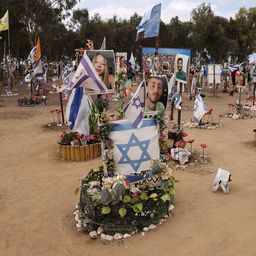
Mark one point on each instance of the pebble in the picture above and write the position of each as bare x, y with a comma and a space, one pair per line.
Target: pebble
93, 234
118, 236
171, 207
78, 225
145, 229
152, 226
106, 237
126, 235
77, 217
143, 233
99, 230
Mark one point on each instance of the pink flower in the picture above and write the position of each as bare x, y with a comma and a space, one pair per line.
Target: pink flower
203, 145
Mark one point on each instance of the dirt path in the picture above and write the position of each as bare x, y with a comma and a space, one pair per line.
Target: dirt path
37, 192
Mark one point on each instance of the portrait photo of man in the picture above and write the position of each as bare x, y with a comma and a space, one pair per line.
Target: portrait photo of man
157, 92
181, 65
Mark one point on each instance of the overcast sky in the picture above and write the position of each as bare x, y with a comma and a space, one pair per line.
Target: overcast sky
170, 8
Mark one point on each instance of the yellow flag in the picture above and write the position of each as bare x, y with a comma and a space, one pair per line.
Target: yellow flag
4, 24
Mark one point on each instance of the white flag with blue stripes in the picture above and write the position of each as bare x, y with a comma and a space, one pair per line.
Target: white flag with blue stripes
134, 148
87, 77
199, 108
78, 111
134, 110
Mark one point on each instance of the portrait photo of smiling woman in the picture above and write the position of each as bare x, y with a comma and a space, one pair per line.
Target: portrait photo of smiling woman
104, 63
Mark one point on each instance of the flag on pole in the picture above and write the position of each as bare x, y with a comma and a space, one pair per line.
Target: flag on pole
134, 148
4, 22
35, 58
199, 108
78, 110
38, 67
134, 110
87, 77
103, 46
150, 23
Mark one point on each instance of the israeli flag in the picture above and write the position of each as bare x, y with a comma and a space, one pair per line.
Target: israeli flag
150, 23
177, 100
87, 77
26, 79
134, 148
199, 108
78, 111
134, 110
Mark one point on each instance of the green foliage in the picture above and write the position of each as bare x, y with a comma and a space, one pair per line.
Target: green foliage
166, 197
126, 199
122, 212
137, 208
93, 119
105, 210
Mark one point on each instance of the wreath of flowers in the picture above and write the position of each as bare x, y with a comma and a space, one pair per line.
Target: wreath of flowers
111, 207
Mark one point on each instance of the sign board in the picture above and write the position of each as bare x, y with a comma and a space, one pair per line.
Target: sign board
214, 73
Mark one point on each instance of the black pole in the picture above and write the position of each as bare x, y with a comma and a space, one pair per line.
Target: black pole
214, 86
172, 110
31, 85
254, 88
179, 111
61, 107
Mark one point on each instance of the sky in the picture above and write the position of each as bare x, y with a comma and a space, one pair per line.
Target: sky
170, 8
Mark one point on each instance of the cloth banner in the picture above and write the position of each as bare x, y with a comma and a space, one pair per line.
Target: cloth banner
134, 148
150, 23
134, 110
78, 111
87, 77
4, 24
199, 108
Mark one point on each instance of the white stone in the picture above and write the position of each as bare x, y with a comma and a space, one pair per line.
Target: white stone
126, 235
77, 206
93, 234
76, 212
78, 225
143, 233
99, 230
145, 229
118, 236
106, 237
152, 226
171, 207
77, 217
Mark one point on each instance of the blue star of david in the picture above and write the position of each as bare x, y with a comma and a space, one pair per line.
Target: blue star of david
137, 103
134, 142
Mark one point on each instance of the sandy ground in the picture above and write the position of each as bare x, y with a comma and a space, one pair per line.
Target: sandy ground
37, 196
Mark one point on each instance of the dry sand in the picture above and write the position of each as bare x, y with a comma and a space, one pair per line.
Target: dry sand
37, 196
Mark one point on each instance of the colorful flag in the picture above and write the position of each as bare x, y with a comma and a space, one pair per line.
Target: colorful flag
35, 58
103, 46
38, 67
87, 77
134, 148
134, 110
78, 110
4, 22
150, 23
199, 108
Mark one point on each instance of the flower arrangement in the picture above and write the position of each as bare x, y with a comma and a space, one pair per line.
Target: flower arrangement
32, 101
111, 205
75, 138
